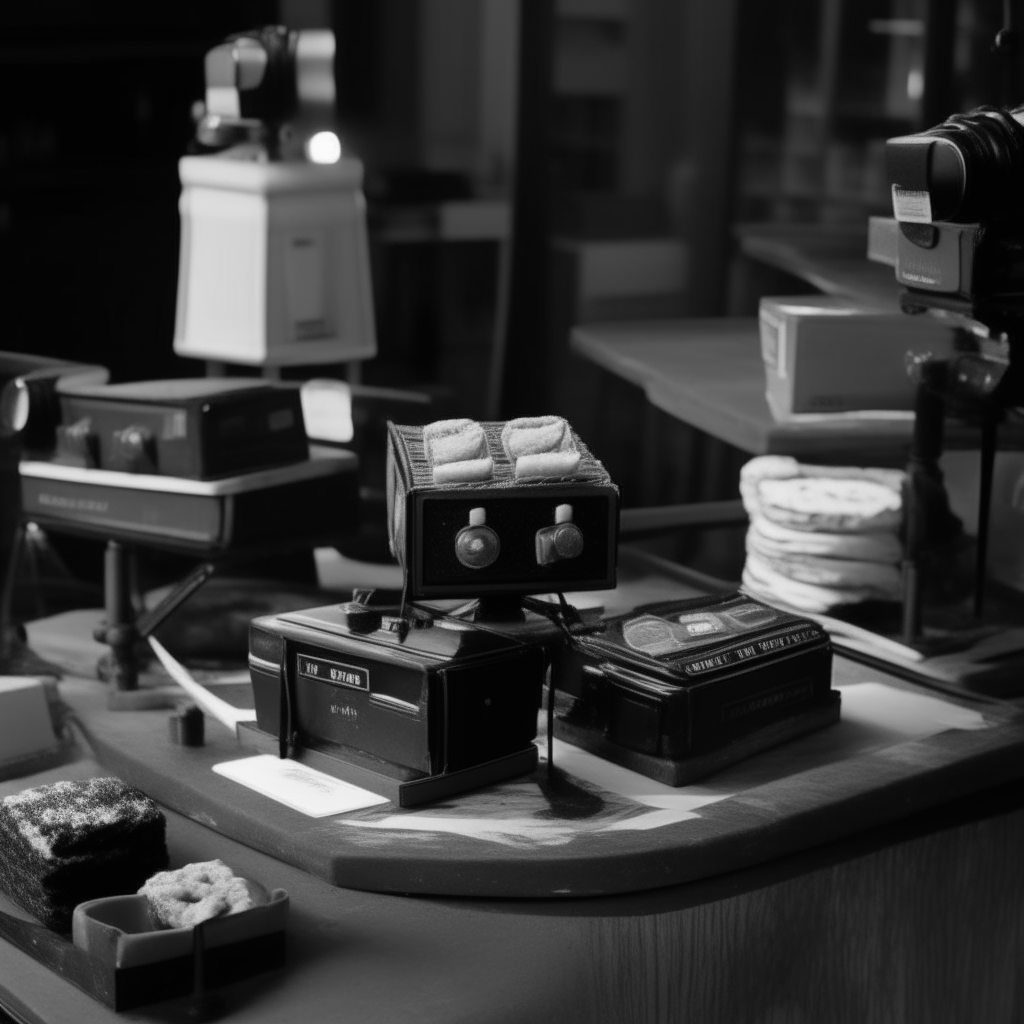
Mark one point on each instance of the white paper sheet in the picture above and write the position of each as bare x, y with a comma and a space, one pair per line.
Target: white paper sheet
874, 716
902, 715
297, 786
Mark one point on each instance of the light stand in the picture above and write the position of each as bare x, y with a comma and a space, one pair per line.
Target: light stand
980, 386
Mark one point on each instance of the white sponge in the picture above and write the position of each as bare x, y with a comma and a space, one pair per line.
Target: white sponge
457, 450
540, 446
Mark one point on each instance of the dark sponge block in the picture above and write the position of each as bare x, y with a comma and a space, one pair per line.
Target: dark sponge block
73, 841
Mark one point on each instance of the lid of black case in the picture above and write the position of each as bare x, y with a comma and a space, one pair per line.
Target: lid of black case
182, 391
676, 634
446, 639
407, 445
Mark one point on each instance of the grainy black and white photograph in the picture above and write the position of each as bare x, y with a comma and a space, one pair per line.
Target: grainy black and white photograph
512, 511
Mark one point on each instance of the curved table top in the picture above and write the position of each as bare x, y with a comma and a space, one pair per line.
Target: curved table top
592, 828
709, 949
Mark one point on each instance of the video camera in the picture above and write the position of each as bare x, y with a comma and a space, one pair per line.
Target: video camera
956, 241
959, 211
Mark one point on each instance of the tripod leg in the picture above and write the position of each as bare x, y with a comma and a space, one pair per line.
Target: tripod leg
988, 456
7, 644
120, 666
923, 487
911, 571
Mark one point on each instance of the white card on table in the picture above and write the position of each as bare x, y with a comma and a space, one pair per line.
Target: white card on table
302, 788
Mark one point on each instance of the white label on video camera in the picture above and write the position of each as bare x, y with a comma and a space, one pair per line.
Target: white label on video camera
335, 672
910, 206
771, 329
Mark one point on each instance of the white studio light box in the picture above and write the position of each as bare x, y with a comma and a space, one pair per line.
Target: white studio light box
274, 267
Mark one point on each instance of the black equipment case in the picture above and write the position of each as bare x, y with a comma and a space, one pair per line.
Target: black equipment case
679, 689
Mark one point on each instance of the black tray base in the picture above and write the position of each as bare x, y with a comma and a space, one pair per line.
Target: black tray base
690, 769
129, 987
405, 792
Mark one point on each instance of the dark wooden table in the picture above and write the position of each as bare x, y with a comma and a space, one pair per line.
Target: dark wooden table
919, 920
829, 257
709, 374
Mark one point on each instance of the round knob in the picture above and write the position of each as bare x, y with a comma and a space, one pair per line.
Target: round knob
568, 540
133, 449
360, 618
477, 545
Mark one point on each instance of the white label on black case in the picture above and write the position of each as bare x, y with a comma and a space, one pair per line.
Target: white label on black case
334, 672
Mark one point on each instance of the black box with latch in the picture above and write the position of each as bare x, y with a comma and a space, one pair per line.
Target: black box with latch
679, 689
508, 534
194, 428
416, 708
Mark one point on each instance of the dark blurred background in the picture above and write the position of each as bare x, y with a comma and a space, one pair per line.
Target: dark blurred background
637, 120
530, 164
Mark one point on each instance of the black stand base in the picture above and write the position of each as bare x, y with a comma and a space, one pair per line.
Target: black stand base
126, 988
18, 659
148, 698
401, 786
690, 769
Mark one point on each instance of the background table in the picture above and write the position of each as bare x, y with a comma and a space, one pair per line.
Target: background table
709, 374
831, 258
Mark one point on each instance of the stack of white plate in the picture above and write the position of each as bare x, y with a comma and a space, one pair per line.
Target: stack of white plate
821, 536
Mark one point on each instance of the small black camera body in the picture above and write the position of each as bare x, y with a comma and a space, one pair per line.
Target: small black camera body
199, 465
415, 707
199, 429
524, 509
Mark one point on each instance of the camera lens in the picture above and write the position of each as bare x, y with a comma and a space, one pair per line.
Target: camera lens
966, 169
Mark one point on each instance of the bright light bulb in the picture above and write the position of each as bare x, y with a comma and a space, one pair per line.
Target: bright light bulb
324, 148
915, 84
22, 405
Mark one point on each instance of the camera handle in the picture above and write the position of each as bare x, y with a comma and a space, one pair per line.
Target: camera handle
1006, 47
